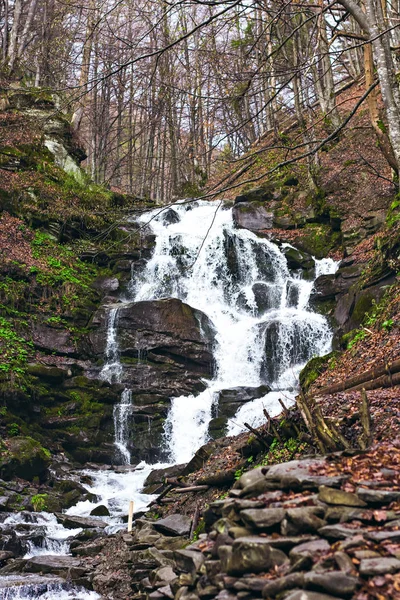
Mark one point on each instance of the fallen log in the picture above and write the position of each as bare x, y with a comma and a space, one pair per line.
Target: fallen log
381, 382
193, 488
356, 382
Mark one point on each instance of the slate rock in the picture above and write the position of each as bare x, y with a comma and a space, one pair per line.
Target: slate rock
72, 522
297, 475
306, 595
262, 518
334, 582
306, 519
188, 561
334, 496
287, 582
310, 549
57, 564
381, 536
175, 524
379, 566
339, 532
377, 496
249, 555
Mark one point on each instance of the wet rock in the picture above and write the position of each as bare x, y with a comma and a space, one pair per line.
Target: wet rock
90, 549
175, 524
159, 475
56, 565
296, 259
262, 518
249, 555
100, 511
170, 216
230, 400
335, 583
71, 522
253, 216
334, 496
379, 566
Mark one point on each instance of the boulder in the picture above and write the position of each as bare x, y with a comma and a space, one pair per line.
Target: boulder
296, 259
262, 519
175, 524
56, 565
170, 216
72, 522
249, 555
298, 474
100, 511
259, 194
252, 215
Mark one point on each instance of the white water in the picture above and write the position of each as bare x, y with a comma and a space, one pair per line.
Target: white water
215, 271
22, 587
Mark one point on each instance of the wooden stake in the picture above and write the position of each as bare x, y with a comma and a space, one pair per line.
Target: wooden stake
365, 415
130, 516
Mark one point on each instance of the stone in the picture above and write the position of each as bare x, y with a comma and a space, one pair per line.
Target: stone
310, 549
253, 216
175, 524
344, 562
170, 216
5, 555
381, 536
297, 475
159, 475
3, 502
188, 561
249, 555
306, 595
277, 586
339, 531
24, 458
252, 483
163, 574
166, 591
370, 567
305, 519
262, 518
296, 259
71, 522
334, 496
57, 565
259, 194
377, 496
334, 582
100, 511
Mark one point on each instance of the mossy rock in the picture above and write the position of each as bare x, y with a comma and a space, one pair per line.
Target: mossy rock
25, 458
314, 368
318, 239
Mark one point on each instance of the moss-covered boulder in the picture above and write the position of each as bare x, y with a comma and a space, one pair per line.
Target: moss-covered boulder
23, 457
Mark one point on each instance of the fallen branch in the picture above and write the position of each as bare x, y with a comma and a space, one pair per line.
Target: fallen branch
257, 434
193, 488
357, 380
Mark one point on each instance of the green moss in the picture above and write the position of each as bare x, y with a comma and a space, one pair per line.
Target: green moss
314, 368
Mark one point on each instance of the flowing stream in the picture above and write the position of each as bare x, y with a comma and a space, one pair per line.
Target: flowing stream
265, 333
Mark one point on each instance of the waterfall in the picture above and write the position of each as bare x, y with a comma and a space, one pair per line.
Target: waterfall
112, 372
265, 330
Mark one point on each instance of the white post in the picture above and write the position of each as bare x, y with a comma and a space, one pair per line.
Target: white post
130, 516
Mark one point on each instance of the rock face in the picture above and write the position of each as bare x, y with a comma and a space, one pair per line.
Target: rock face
25, 458
229, 402
252, 215
165, 348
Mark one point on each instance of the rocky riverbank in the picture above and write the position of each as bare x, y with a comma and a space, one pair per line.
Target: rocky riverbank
317, 529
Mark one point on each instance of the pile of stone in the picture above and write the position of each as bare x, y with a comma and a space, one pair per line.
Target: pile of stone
283, 532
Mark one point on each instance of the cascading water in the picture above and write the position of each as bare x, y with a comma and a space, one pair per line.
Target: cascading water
265, 331
112, 372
